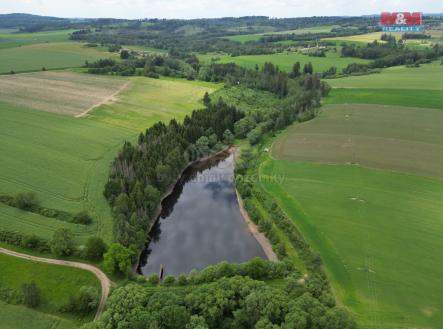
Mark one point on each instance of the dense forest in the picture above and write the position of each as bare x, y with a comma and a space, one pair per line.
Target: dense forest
231, 303
142, 173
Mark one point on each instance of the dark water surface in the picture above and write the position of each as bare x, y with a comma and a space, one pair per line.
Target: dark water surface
200, 223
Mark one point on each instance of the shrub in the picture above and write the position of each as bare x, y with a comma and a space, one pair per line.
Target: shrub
82, 218
153, 279
182, 280
168, 280
31, 294
25, 200
117, 259
61, 243
94, 249
31, 241
85, 302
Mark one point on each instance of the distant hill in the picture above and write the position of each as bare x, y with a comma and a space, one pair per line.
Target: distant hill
24, 20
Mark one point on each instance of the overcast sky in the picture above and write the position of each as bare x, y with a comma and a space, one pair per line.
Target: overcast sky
213, 8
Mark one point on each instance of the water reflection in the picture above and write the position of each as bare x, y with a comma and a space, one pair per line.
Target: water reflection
200, 223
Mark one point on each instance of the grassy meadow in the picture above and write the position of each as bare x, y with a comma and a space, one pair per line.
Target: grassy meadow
56, 285
65, 160
285, 61
55, 55
20, 317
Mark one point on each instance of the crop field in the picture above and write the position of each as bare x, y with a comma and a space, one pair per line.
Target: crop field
415, 87
255, 37
60, 92
65, 160
150, 100
56, 283
370, 135
402, 97
425, 77
9, 39
380, 235
363, 182
50, 56
285, 61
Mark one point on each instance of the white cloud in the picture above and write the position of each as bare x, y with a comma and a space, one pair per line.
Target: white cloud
213, 8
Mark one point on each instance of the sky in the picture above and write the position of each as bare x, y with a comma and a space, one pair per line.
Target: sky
213, 8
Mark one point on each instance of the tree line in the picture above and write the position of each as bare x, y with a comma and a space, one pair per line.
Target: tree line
390, 53
229, 303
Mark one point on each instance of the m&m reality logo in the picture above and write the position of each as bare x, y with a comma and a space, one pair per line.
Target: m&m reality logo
401, 22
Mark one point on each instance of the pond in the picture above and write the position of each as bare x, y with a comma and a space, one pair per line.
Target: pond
200, 223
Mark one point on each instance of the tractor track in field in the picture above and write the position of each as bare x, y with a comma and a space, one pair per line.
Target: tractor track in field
108, 99
102, 277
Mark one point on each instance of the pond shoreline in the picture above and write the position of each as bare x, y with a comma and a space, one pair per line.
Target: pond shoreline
252, 228
168, 192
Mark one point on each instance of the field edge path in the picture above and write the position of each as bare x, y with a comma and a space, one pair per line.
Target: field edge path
104, 280
108, 99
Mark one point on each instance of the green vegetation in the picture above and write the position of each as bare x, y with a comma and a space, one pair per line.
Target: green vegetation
231, 302
147, 101
401, 97
371, 226
369, 135
21, 317
285, 61
436, 37
65, 160
379, 235
425, 77
258, 36
11, 40
48, 55
412, 87
55, 285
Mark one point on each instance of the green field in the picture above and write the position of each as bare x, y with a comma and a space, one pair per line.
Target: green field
8, 39
285, 61
369, 135
413, 87
425, 77
56, 285
363, 182
380, 235
255, 37
149, 100
65, 160
402, 97
49, 55
20, 317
